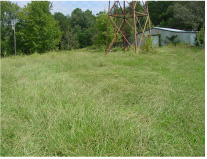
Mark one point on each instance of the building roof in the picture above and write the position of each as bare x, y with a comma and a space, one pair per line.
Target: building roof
171, 30
174, 30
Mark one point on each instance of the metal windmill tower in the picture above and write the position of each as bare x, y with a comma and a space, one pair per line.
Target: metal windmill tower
119, 17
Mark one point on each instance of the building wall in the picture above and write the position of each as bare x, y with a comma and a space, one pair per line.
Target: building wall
184, 37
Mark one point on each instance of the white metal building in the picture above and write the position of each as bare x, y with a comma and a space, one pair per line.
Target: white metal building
160, 35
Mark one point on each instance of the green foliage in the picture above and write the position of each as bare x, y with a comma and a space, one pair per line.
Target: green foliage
170, 21
77, 18
9, 15
37, 28
158, 11
83, 24
101, 30
68, 40
63, 21
147, 45
191, 13
180, 15
173, 40
200, 37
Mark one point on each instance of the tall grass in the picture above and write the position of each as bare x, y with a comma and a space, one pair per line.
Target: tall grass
83, 103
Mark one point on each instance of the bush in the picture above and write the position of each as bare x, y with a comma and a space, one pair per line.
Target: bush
147, 45
200, 38
173, 40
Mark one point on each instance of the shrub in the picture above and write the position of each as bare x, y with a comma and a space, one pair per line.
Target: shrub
200, 38
147, 45
173, 40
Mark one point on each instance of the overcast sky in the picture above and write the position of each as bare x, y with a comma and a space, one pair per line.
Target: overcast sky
66, 7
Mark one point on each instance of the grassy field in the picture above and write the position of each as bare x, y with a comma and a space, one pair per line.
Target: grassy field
83, 103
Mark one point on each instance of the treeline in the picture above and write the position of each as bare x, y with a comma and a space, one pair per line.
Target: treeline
34, 29
186, 15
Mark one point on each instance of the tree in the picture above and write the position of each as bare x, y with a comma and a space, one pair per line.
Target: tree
9, 13
83, 25
157, 11
101, 29
37, 29
170, 21
63, 21
192, 13
68, 40
71, 39
77, 18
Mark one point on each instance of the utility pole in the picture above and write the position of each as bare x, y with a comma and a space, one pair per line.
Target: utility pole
14, 41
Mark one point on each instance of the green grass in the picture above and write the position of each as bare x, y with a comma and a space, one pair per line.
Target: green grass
83, 103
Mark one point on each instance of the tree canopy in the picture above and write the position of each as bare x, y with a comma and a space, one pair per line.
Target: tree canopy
9, 16
38, 29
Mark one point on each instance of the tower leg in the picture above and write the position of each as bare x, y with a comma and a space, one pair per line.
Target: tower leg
124, 26
150, 34
107, 33
135, 28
